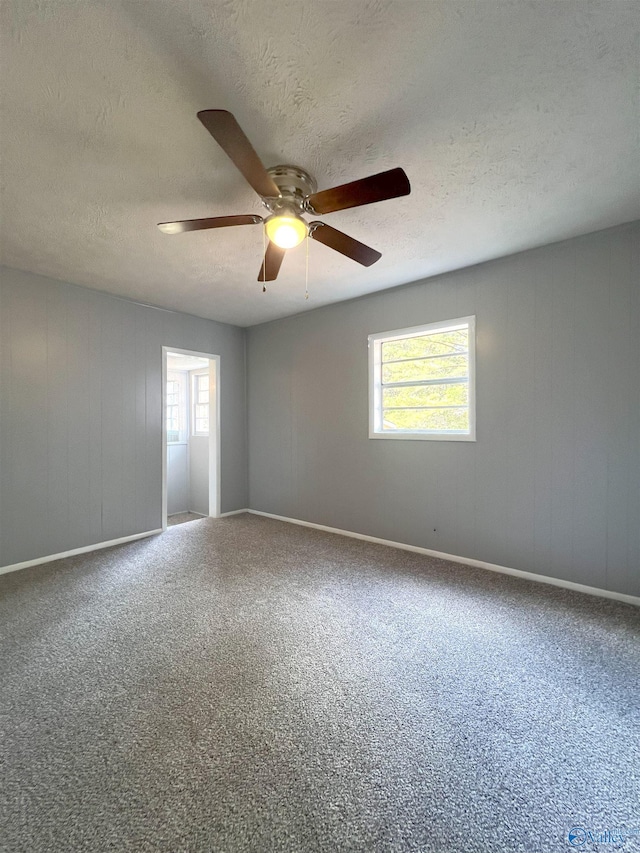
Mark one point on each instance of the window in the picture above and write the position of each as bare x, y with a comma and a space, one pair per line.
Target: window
200, 396
422, 382
176, 407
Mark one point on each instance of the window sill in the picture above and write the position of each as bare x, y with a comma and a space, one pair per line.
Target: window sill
423, 436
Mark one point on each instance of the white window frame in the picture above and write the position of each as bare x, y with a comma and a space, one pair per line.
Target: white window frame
375, 382
194, 403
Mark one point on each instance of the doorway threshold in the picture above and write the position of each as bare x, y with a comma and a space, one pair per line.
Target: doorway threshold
183, 518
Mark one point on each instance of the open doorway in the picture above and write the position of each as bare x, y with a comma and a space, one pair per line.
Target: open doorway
191, 436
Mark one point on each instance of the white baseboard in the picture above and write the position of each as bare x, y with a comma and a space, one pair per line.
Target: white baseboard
84, 550
479, 564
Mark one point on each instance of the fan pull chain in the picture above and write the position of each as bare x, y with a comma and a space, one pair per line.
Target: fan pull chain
264, 262
306, 272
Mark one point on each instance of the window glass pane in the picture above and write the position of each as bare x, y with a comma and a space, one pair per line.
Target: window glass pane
430, 368
202, 424
430, 419
442, 343
426, 395
202, 412
203, 396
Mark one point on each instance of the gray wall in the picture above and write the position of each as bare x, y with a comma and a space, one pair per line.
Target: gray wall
199, 474
80, 414
177, 478
552, 484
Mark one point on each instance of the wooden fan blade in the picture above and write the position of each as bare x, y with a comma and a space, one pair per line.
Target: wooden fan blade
213, 222
271, 264
230, 137
391, 184
344, 244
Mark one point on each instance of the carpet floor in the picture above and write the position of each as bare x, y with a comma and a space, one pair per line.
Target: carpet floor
247, 685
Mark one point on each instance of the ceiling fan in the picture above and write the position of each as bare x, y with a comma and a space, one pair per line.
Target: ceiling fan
288, 192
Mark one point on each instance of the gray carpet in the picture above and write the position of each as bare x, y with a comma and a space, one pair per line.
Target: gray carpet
248, 685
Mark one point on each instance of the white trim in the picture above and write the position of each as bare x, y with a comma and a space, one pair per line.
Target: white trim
214, 433
453, 558
480, 564
84, 550
187, 512
215, 367
375, 342
164, 443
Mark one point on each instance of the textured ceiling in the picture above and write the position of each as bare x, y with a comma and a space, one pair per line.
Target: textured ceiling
516, 123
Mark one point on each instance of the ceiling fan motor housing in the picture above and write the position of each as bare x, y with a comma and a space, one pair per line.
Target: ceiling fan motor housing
295, 184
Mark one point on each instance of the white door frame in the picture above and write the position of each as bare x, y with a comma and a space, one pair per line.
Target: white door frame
214, 430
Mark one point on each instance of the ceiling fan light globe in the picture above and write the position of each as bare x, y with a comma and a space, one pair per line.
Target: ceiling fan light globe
286, 231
